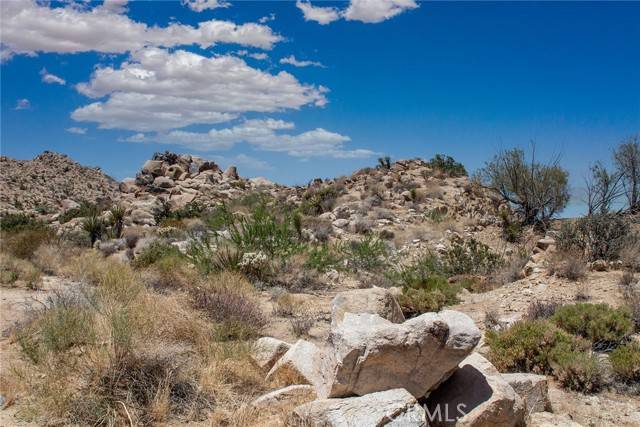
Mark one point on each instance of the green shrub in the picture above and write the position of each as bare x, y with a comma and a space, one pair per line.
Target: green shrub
316, 201
447, 165
579, 371
263, 232
23, 244
511, 229
600, 236
471, 257
369, 254
625, 362
86, 209
530, 346
56, 329
600, 324
323, 258
436, 215
95, 227
154, 252
12, 223
425, 294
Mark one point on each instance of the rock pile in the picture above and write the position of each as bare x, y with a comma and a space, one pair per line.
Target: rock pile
374, 372
42, 185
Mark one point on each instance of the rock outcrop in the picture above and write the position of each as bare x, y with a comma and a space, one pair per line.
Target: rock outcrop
478, 395
374, 301
370, 354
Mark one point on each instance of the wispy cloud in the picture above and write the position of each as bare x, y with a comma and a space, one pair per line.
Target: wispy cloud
22, 104
76, 130
291, 60
202, 5
51, 78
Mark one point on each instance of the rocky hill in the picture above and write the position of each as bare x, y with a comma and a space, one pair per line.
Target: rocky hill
43, 184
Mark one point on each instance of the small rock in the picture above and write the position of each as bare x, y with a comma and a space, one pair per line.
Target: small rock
395, 407
267, 351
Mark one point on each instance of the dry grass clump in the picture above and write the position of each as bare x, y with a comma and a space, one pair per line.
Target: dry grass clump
630, 289
112, 352
569, 265
16, 272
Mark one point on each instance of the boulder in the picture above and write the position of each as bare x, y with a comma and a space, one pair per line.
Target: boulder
599, 265
152, 167
369, 353
174, 172
385, 408
231, 173
545, 243
261, 182
267, 351
374, 301
181, 200
163, 182
547, 419
299, 394
68, 204
533, 389
341, 223
142, 217
476, 395
143, 179
303, 363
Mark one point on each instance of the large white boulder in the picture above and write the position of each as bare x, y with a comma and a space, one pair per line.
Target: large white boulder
303, 363
374, 301
370, 354
397, 408
476, 395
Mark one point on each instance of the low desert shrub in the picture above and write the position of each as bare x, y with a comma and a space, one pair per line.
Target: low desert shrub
432, 294
602, 325
18, 272
625, 362
86, 209
579, 371
13, 223
542, 309
471, 257
569, 265
323, 258
316, 201
24, 243
369, 253
600, 236
630, 253
630, 289
511, 228
530, 346
511, 270
447, 165
154, 252
302, 324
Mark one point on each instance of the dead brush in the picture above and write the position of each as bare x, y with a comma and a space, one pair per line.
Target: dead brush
302, 323
630, 289
568, 265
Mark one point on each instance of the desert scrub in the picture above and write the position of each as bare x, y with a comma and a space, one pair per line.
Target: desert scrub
369, 253
424, 294
18, 272
316, 201
23, 242
530, 346
471, 257
569, 265
625, 362
447, 165
602, 325
579, 371
154, 252
600, 236
323, 258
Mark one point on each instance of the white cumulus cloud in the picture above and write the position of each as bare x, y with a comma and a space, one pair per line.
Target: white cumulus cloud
76, 130
29, 27
201, 5
367, 11
161, 90
263, 134
321, 15
291, 60
51, 78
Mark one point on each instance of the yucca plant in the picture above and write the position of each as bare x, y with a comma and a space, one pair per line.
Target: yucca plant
117, 220
94, 226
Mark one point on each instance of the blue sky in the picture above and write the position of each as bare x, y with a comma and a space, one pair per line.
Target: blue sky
398, 78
